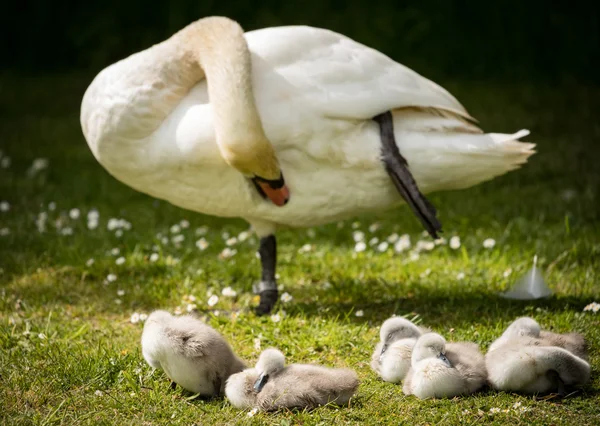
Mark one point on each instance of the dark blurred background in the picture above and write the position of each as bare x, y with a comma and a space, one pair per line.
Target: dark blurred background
511, 40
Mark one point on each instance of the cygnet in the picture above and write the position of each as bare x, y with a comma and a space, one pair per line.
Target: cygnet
441, 369
190, 352
271, 385
391, 359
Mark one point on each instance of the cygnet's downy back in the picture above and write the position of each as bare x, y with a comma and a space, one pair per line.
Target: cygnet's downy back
190, 352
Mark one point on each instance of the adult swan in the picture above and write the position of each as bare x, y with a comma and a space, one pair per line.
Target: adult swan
213, 119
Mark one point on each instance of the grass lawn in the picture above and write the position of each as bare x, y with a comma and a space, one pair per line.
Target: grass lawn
70, 354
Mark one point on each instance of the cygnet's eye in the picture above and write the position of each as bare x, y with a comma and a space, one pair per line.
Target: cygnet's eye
389, 336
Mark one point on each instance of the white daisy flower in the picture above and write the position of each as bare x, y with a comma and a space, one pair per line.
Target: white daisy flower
494, 410
424, 245
311, 233
228, 292
120, 260
184, 224
507, 273
119, 233
360, 246
67, 230
305, 248
227, 253
243, 236
383, 246
286, 297
92, 224
231, 241
213, 300
38, 165
252, 412
120, 292
402, 244
4, 206
593, 307
4, 232
154, 257
440, 241
115, 251
489, 243
74, 213
51, 206
358, 236
359, 313
135, 318
275, 318
98, 393
460, 276
143, 317
111, 278
190, 307
455, 242
256, 343
355, 225
89, 262
202, 244
175, 229
5, 162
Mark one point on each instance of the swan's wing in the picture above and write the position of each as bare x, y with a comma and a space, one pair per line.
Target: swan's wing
345, 79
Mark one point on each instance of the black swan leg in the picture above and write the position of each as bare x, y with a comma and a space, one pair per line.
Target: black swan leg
397, 167
267, 288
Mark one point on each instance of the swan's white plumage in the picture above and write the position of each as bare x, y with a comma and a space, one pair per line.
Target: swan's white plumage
316, 92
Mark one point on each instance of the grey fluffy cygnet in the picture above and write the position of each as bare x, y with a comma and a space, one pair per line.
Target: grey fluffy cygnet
528, 327
441, 369
271, 385
190, 352
391, 359
530, 360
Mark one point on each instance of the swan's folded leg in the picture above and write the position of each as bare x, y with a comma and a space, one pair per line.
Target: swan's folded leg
397, 167
267, 288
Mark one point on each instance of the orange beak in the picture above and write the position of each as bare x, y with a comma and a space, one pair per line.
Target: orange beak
279, 196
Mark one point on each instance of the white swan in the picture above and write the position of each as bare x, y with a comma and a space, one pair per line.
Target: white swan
212, 119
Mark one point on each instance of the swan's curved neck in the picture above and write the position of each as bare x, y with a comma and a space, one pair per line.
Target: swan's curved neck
215, 47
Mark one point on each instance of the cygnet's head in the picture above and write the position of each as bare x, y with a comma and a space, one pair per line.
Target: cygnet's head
396, 328
524, 326
159, 317
430, 345
270, 361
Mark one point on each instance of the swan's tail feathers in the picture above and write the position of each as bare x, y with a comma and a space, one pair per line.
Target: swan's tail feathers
397, 168
516, 153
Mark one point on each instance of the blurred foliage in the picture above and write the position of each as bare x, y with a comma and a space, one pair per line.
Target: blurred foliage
507, 39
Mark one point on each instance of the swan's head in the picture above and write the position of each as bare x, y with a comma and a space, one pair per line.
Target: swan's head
270, 361
254, 157
524, 326
396, 328
430, 345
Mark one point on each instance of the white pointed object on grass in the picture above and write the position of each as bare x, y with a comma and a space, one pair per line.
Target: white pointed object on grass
530, 286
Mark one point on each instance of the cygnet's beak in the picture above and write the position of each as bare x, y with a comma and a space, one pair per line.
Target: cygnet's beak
275, 190
260, 382
445, 359
383, 349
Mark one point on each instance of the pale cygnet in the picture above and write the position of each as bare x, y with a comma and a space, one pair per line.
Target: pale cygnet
441, 369
525, 366
271, 385
190, 352
391, 359
529, 328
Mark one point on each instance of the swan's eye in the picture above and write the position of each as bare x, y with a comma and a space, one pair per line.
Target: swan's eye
389, 336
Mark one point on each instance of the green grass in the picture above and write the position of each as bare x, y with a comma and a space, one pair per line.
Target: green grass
70, 355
